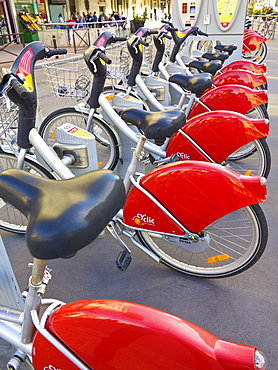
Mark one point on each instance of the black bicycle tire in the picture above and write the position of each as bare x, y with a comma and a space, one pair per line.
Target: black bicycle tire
258, 56
264, 149
258, 251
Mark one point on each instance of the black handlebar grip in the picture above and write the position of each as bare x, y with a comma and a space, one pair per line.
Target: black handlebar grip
153, 32
105, 58
167, 37
20, 90
145, 43
49, 52
169, 23
202, 33
116, 39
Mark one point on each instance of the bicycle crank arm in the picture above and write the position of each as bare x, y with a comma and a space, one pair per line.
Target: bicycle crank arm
139, 245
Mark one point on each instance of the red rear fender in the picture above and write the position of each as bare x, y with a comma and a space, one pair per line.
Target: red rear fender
240, 77
246, 65
218, 133
251, 40
233, 98
110, 334
195, 193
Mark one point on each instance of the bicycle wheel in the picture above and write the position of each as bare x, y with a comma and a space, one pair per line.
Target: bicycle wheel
10, 218
258, 112
205, 46
270, 30
249, 149
258, 55
106, 142
237, 241
254, 157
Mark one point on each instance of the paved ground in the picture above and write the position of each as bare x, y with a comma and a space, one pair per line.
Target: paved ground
242, 309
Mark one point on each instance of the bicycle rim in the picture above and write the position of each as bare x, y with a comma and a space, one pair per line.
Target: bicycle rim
237, 241
258, 55
12, 219
253, 158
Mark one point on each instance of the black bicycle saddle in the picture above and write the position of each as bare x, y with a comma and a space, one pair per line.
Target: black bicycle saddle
216, 56
63, 216
210, 67
197, 84
155, 125
228, 48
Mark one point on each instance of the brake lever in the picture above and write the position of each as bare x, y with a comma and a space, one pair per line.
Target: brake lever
93, 60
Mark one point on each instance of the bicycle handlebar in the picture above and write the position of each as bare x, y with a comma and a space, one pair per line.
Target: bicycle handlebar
167, 37
19, 89
117, 39
143, 42
50, 52
167, 22
104, 57
201, 33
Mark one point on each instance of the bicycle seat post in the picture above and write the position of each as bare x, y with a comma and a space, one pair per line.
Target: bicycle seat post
136, 157
182, 101
33, 299
38, 271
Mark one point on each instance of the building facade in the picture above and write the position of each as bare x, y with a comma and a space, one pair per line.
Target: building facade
16, 14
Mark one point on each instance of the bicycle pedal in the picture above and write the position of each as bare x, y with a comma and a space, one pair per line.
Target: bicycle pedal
123, 260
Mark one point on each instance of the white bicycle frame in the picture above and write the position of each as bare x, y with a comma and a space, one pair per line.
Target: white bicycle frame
46, 154
120, 126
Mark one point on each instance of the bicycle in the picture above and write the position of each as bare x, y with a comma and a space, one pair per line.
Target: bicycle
22, 146
168, 93
107, 333
267, 27
185, 143
157, 94
254, 48
205, 62
184, 225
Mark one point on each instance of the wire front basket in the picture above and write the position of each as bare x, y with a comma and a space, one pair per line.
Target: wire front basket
8, 122
68, 76
121, 61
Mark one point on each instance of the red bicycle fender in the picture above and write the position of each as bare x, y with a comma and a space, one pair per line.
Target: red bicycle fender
218, 133
246, 65
251, 40
240, 77
235, 98
195, 193
111, 334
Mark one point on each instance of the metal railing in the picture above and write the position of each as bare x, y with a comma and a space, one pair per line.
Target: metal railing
266, 24
78, 35
81, 25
